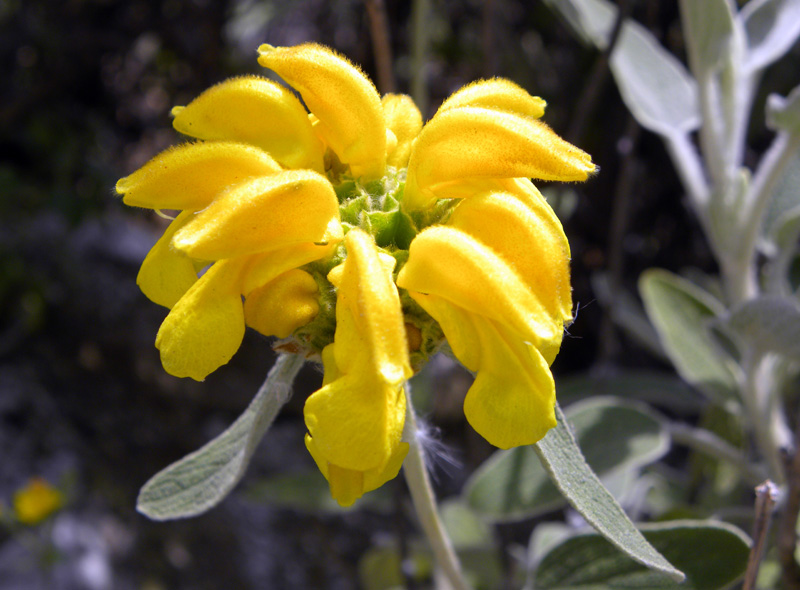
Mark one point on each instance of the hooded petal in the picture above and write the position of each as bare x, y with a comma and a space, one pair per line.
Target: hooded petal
511, 402
166, 274
498, 94
205, 328
474, 142
343, 99
450, 264
282, 305
255, 111
355, 421
404, 120
260, 215
191, 175
528, 236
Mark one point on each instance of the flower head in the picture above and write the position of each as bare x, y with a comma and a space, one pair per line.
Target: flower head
369, 239
35, 501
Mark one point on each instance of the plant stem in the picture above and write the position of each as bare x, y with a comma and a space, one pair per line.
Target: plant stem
425, 503
766, 497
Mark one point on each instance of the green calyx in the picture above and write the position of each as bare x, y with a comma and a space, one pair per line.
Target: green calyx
376, 208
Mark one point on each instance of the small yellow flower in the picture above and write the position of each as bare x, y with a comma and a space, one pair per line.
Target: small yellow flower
36, 501
368, 238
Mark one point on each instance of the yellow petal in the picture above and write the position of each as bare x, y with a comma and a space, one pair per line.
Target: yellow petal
348, 485
498, 94
528, 236
166, 274
191, 175
343, 99
256, 111
356, 420
205, 328
36, 501
264, 268
282, 305
448, 263
263, 214
404, 120
473, 142
512, 399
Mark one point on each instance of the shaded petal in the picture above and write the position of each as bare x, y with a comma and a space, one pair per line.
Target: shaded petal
528, 236
511, 402
343, 99
355, 420
282, 305
348, 485
498, 94
166, 274
473, 142
256, 111
205, 328
404, 120
449, 263
263, 268
191, 175
262, 214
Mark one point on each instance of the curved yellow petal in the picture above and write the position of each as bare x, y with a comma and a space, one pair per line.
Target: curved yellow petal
262, 214
355, 420
473, 142
450, 264
282, 305
529, 237
191, 175
264, 268
496, 93
404, 120
511, 402
348, 485
343, 99
166, 274
256, 111
206, 327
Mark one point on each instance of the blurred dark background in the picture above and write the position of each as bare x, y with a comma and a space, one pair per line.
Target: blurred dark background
86, 90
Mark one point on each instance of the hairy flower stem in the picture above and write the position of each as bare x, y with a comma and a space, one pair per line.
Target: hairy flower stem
425, 503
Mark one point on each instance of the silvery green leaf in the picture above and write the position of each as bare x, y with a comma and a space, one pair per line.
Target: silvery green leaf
784, 113
708, 27
513, 485
772, 27
564, 461
593, 20
202, 479
682, 312
784, 207
769, 324
712, 555
656, 87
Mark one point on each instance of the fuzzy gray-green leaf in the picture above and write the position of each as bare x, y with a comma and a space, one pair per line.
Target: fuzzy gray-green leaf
202, 479
711, 554
682, 313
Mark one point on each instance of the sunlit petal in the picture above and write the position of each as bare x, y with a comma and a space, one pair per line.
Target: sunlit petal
282, 305
404, 120
528, 236
343, 99
166, 274
205, 328
263, 214
473, 142
450, 264
498, 94
356, 420
192, 175
257, 111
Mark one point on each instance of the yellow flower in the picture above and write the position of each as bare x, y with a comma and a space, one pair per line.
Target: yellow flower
368, 239
36, 501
